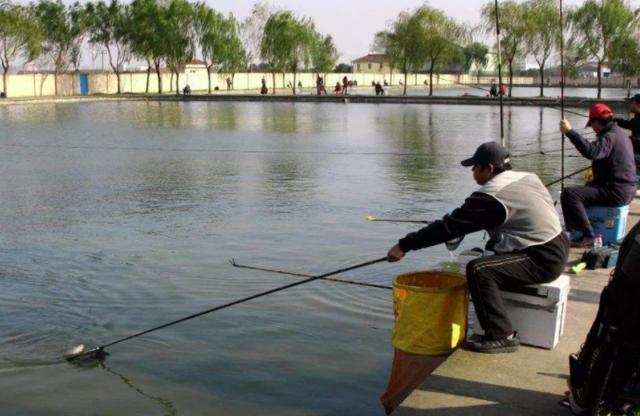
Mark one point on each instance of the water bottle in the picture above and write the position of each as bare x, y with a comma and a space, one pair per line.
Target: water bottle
597, 242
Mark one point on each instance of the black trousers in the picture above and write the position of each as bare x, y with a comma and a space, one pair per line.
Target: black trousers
575, 199
487, 275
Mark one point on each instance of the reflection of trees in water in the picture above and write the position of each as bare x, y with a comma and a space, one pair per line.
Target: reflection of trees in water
281, 118
222, 116
416, 145
288, 182
167, 405
39, 113
157, 114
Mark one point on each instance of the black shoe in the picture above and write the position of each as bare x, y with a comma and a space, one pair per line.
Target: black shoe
497, 346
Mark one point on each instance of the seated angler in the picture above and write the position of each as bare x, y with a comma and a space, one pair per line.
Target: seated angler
530, 247
633, 125
614, 174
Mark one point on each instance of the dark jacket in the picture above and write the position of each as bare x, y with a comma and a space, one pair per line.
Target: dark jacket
634, 126
612, 154
481, 212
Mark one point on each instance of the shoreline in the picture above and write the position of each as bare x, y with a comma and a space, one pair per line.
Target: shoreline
579, 102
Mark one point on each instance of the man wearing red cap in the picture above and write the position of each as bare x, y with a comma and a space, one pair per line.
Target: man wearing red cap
614, 173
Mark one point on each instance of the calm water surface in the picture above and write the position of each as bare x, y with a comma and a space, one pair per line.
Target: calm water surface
117, 217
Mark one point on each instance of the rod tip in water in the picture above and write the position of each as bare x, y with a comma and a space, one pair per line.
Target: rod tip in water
78, 355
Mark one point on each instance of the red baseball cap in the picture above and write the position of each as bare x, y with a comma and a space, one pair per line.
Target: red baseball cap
599, 110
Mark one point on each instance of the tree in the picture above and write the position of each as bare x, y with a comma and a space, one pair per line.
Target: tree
20, 36
209, 29
63, 29
625, 58
251, 31
343, 68
179, 40
110, 26
401, 45
272, 50
543, 33
475, 54
148, 40
598, 25
513, 31
439, 35
233, 56
299, 41
324, 54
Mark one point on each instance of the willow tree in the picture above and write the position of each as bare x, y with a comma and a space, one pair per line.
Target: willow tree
544, 33
233, 56
272, 52
324, 54
110, 26
208, 26
20, 37
475, 54
148, 40
63, 31
180, 38
513, 31
438, 37
401, 44
596, 26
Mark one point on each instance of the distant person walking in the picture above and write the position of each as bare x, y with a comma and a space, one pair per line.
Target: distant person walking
263, 89
345, 85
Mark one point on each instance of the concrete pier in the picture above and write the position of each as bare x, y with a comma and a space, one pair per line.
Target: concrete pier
528, 382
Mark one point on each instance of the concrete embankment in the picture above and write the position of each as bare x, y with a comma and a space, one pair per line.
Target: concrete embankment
580, 102
528, 382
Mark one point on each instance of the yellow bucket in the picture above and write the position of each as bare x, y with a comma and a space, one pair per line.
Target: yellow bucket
430, 311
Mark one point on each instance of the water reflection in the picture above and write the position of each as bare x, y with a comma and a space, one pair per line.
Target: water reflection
280, 118
288, 183
416, 145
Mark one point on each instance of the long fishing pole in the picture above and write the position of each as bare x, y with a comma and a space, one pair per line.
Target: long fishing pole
371, 218
567, 176
332, 279
100, 353
562, 92
500, 76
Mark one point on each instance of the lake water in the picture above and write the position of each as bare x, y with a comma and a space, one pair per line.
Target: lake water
117, 217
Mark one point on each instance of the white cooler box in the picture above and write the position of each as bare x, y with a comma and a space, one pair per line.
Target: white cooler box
537, 312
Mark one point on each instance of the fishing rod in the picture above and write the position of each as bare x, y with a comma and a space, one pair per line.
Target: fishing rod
562, 91
567, 176
371, 218
332, 279
99, 352
500, 76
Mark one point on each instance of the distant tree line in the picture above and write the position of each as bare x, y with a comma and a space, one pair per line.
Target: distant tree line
162, 33
171, 33
600, 31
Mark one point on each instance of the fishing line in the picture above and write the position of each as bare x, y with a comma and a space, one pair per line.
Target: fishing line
500, 76
562, 92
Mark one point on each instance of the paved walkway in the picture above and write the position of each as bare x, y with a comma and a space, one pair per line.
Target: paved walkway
528, 382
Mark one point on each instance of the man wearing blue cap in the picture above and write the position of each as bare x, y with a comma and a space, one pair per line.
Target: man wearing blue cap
530, 247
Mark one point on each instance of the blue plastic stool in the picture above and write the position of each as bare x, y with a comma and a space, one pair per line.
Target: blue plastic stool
611, 222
